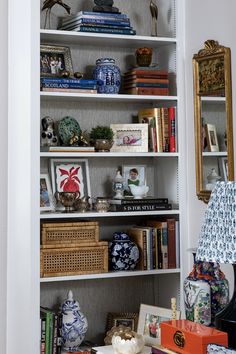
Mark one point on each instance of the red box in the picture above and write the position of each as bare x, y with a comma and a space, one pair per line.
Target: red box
186, 337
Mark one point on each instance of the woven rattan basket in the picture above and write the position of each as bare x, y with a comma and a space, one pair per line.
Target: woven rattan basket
87, 259
56, 235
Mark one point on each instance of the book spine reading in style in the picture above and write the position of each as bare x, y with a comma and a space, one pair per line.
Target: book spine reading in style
143, 207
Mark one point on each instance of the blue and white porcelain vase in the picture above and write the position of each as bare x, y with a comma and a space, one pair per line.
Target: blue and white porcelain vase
74, 324
123, 253
107, 75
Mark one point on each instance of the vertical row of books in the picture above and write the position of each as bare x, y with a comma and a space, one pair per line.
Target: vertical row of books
158, 243
162, 128
50, 331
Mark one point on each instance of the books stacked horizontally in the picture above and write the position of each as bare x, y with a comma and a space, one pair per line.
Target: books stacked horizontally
162, 136
146, 81
59, 84
69, 149
101, 22
145, 204
158, 244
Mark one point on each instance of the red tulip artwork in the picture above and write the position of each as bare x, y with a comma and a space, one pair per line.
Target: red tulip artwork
69, 178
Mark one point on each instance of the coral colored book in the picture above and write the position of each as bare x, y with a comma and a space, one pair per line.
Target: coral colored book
172, 128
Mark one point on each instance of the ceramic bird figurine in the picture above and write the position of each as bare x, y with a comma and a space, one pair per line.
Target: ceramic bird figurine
48, 4
154, 14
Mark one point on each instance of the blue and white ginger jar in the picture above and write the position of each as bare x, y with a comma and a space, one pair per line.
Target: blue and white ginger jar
107, 75
123, 253
74, 324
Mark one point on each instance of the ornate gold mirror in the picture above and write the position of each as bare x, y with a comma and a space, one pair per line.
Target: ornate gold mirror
213, 117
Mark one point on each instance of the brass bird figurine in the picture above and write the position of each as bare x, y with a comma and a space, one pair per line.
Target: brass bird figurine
154, 14
48, 4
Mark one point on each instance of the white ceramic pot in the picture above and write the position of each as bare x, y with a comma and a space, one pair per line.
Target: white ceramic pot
138, 191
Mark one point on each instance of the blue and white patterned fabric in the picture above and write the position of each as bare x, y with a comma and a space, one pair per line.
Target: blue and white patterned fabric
219, 349
217, 241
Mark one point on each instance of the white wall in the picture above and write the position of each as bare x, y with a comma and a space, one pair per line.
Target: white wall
208, 19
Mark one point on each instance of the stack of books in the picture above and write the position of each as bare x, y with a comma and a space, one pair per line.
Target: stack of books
60, 84
162, 126
145, 204
158, 243
146, 81
101, 22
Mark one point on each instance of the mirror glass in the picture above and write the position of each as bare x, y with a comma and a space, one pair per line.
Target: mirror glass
213, 117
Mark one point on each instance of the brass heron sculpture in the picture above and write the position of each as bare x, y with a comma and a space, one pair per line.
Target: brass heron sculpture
154, 14
48, 4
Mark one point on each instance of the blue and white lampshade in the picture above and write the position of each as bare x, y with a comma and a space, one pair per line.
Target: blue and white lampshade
217, 241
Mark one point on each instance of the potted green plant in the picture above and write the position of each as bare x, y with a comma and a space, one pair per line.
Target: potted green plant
102, 137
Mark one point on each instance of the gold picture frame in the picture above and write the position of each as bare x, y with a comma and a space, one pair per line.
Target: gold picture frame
212, 87
128, 319
54, 60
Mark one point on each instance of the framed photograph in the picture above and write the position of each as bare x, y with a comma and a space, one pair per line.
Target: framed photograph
54, 60
149, 321
70, 175
128, 319
130, 137
211, 135
133, 174
46, 196
223, 167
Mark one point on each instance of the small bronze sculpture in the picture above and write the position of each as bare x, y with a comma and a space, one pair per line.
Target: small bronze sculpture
104, 6
154, 14
48, 4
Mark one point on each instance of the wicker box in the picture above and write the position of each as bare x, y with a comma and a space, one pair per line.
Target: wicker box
54, 235
63, 261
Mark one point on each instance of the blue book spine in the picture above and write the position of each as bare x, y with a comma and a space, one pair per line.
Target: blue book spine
102, 14
116, 22
67, 81
67, 86
105, 30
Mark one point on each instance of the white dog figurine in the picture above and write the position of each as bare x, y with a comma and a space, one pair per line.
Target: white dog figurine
48, 134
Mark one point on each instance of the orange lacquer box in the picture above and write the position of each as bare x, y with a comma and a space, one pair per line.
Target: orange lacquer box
186, 337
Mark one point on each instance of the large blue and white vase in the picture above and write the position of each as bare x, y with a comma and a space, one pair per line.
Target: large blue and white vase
74, 324
123, 253
107, 75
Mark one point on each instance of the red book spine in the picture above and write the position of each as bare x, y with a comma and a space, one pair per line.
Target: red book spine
172, 122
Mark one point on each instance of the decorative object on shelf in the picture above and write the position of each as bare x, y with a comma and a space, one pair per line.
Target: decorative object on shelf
67, 199
154, 14
78, 75
48, 4
74, 324
55, 60
219, 349
70, 175
223, 165
173, 308
212, 178
217, 244
107, 75
113, 329
82, 204
130, 137
102, 138
48, 134
127, 342
133, 174
46, 196
138, 192
125, 319
105, 6
143, 56
206, 292
118, 186
211, 135
149, 321
123, 253
101, 205
69, 131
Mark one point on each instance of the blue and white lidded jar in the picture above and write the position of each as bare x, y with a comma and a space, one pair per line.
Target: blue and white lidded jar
123, 253
107, 75
74, 324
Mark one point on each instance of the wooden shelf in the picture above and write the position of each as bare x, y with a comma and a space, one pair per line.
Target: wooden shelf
110, 275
